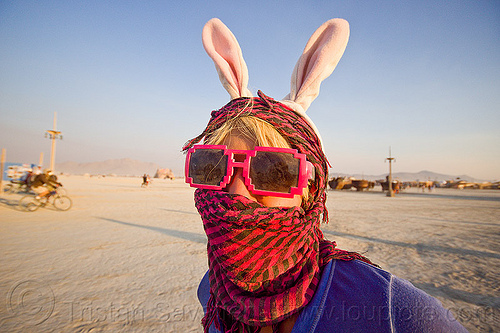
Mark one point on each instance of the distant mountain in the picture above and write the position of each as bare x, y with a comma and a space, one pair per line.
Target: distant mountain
119, 167
130, 167
411, 176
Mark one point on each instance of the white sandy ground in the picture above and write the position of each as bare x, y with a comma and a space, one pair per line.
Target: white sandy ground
129, 259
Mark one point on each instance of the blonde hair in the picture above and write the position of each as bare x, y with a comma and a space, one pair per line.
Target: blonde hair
251, 128
254, 129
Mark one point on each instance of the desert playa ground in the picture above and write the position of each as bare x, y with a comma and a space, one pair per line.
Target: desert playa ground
129, 259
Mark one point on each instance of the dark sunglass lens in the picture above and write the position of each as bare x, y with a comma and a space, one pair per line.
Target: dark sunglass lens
207, 166
276, 172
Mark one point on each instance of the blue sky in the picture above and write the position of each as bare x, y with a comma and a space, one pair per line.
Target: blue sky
131, 79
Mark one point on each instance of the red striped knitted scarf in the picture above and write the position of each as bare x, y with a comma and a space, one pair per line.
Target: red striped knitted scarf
265, 262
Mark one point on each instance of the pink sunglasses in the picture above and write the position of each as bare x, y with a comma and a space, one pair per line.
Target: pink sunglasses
281, 172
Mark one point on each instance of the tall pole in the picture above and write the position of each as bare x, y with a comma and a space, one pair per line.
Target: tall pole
391, 190
40, 161
53, 135
53, 145
2, 164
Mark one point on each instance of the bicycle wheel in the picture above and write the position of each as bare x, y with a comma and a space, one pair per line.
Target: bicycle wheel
32, 206
28, 203
8, 189
62, 202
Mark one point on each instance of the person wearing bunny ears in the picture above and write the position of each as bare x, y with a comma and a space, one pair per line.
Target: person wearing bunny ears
261, 178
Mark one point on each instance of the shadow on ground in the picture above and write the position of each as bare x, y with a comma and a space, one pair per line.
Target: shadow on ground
10, 203
417, 246
190, 236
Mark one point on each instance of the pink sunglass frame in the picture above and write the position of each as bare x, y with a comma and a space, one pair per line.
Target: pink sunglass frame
306, 169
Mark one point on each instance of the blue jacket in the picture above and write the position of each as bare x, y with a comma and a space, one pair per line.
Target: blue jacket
356, 297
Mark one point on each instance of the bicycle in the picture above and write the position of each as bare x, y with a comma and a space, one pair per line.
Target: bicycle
16, 186
30, 203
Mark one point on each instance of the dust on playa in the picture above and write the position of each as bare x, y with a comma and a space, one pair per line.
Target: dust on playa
129, 259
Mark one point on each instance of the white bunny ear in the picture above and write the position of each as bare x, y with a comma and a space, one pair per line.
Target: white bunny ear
223, 48
320, 57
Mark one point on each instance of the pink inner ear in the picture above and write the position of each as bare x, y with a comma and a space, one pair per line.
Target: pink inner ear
320, 57
221, 45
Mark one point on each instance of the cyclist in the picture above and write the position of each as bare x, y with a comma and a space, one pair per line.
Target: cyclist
44, 183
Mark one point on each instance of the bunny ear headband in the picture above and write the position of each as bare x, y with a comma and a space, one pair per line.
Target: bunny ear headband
318, 60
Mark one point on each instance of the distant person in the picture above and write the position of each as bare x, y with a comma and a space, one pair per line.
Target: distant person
35, 172
145, 180
44, 183
25, 178
52, 177
260, 178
